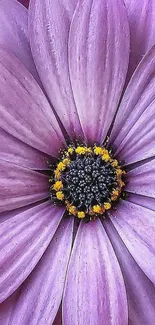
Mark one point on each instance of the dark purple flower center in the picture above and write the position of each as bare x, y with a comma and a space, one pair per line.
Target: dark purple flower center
87, 180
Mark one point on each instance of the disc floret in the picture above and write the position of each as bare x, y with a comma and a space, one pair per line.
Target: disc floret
87, 180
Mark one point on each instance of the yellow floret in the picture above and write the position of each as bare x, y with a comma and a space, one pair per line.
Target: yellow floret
107, 206
66, 161
98, 209
57, 173
61, 166
60, 195
119, 172
70, 150
115, 195
115, 192
121, 183
99, 151
106, 155
114, 163
81, 214
81, 150
72, 210
58, 186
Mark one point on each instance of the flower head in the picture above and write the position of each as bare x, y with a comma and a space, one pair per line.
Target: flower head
77, 170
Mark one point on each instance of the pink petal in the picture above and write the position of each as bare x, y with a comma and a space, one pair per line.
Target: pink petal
14, 32
94, 291
133, 131
140, 290
17, 152
24, 109
42, 292
24, 238
97, 66
142, 29
49, 31
20, 186
141, 180
135, 225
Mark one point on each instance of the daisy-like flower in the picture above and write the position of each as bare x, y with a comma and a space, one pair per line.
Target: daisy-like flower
77, 147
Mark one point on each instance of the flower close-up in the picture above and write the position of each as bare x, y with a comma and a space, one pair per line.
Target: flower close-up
77, 162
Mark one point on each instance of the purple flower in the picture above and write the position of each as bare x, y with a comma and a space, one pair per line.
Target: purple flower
71, 96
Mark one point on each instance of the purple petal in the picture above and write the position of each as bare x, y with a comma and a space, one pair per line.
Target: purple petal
97, 66
14, 32
133, 132
42, 292
94, 288
17, 152
142, 29
140, 290
135, 225
9, 214
24, 238
24, 109
6, 308
49, 31
141, 180
20, 186
144, 201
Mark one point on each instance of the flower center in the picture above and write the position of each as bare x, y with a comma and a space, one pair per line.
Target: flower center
87, 180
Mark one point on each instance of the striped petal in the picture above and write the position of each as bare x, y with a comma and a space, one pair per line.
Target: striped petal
94, 291
24, 238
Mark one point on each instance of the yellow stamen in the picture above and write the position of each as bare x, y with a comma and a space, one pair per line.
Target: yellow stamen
106, 156
57, 173
61, 166
81, 214
70, 150
115, 195
98, 209
58, 186
66, 161
114, 163
72, 210
81, 150
60, 195
99, 151
107, 206
119, 172
121, 183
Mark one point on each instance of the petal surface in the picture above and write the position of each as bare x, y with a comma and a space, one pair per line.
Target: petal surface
49, 31
133, 133
24, 238
141, 15
17, 152
20, 186
135, 225
140, 290
24, 109
14, 32
42, 292
7, 307
141, 180
98, 61
94, 291
144, 201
